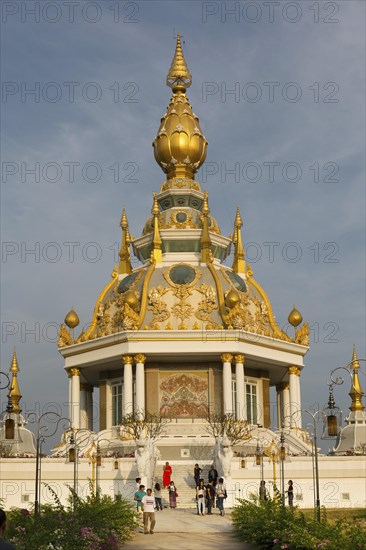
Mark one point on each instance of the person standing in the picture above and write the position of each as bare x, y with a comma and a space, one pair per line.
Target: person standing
262, 490
290, 493
139, 495
201, 494
197, 474
158, 498
3, 544
172, 495
148, 510
213, 475
167, 472
221, 495
210, 496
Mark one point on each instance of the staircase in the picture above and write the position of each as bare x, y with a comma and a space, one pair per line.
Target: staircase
184, 482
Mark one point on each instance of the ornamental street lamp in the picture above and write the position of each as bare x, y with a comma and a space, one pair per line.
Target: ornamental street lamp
282, 457
9, 422
40, 437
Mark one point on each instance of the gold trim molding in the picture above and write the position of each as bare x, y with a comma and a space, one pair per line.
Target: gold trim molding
127, 359
294, 370
140, 358
239, 359
226, 357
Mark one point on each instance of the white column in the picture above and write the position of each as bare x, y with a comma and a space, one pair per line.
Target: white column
286, 412
69, 375
75, 398
83, 407
226, 359
127, 385
299, 424
140, 384
241, 413
294, 404
108, 405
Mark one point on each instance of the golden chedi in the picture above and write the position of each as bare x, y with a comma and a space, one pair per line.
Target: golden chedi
180, 146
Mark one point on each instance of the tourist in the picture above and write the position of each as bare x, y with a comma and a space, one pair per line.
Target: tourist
210, 497
201, 494
158, 499
148, 510
167, 472
290, 493
172, 495
262, 490
221, 495
197, 474
139, 495
138, 483
213, 475
3, 544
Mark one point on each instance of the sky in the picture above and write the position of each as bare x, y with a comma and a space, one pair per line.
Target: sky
279, 89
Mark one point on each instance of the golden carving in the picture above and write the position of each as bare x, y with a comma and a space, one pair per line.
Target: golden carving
127, 359
140, 358
168, 326
239, 358
64, 337
226, 357
75, 372
182, 309
207, 306
294, 370
302, 335
157, 305
184, 395
72, 319
179, 225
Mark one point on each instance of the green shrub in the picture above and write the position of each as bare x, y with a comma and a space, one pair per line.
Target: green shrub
269, 525
95, 523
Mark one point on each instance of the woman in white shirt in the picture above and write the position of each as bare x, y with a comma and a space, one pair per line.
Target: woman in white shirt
201, 492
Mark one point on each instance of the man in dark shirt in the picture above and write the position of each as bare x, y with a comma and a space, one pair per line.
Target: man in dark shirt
210, 496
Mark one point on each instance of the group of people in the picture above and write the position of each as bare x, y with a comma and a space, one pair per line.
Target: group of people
213, 492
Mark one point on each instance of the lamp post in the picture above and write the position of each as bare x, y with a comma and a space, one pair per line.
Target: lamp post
98, 463
282, 456
41, 436
9, 422
316, 461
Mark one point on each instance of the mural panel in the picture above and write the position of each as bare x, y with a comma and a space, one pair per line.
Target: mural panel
184, 394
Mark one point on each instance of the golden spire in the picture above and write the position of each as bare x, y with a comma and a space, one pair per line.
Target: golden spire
14, 392
239, 262
124, 252
72, 319
356, 392
157, 255
179, 78
206, 245
180, 146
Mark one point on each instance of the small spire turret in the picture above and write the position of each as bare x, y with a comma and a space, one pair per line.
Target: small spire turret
14, 392
206, 244
124, 252
239, 262
356, 392
179, 77
157, 254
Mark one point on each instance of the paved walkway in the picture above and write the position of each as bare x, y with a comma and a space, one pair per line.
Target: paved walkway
184, 529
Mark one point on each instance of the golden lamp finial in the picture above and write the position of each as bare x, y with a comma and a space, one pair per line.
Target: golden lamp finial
206, 244
179, 77
14, 392
124, 252
72, 319
295, 317
239, 262
356, 392
156, 253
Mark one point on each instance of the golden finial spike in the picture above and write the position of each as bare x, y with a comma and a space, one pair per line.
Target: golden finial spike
206, 244
124, 252
156, 253
14, 392
179, 77
14, 363
356, 392
239, 262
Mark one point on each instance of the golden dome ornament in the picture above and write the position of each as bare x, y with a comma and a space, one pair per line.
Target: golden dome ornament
72, 319
232, 298
295, 317
131, 299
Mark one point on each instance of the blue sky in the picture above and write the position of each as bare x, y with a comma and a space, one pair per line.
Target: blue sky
297, 69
